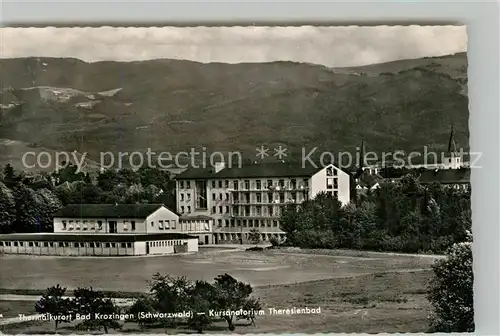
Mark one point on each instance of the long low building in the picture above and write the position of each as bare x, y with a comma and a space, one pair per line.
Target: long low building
97, 244
113, 230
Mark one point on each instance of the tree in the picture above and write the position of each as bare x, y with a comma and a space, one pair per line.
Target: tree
9, 175
91, 303
142, 305
170, 294
232, 295
7, 209
54, 302
450, 291
28, 209
254, 236
201, 297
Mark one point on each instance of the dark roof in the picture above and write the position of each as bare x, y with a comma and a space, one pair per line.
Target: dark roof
369, 180
275, 169
198, 217
445, 176
108, 237
139, 211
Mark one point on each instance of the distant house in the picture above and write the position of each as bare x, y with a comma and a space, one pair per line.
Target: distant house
455, 178
369, 179
114, 230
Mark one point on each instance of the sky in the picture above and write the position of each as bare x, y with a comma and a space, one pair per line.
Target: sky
329, 46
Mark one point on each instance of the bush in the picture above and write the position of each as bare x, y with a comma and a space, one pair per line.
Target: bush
274, 241
450, 291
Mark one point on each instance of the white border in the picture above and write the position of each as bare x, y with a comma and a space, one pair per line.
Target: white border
482, 19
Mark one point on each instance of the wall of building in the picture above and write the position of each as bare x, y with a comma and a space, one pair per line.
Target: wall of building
69, 248
162, 221
321, 181
140, 248
124, 225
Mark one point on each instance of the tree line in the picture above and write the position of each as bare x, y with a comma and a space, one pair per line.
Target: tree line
28, 202
404, 216
168, 296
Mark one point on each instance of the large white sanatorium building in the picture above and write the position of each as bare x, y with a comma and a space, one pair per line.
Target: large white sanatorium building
240, 199
113, 230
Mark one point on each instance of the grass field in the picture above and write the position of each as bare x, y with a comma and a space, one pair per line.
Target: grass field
384, 302
131, 274
356, 293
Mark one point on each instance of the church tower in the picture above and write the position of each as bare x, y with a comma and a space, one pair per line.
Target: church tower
452, 158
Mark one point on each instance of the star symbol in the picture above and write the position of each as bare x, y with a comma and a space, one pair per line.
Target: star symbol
262, 152
280, 152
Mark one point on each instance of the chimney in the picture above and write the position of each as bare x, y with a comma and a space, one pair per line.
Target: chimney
219, 166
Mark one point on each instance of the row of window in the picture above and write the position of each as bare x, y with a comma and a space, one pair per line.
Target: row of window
249, 223
258, 210
64, 244
165, 224
195, 226
257, 184
165, 243
92, 225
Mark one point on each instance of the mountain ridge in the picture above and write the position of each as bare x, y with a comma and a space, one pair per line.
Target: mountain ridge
175, 104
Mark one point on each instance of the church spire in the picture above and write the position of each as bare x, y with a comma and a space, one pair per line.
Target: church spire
452, 146
361, 162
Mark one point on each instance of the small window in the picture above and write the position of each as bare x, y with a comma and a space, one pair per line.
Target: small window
64, 225
152, 223
91, 244
172, 224
125, 225
16, 243
99, 225
129, 245
61, 244
97, 244
132, 225
85, 225
113, 245
160, 224
37, 244
66, 244
1, 243
92, 225
107, 245
30, 244
76, 245
51, 244
123, 245
189, 209
167, 224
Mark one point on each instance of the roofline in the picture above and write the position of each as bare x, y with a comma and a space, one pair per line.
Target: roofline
95, 237
215, 177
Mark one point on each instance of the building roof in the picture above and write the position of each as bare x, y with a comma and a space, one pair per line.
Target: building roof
139, 211
368, 180
445, 176
275, 169
95, 237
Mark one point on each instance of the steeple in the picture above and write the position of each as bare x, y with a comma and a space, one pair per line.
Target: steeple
361, 162
452, 160
452, 146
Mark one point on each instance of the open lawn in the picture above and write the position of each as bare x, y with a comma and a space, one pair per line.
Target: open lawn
375, 303
131, 274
